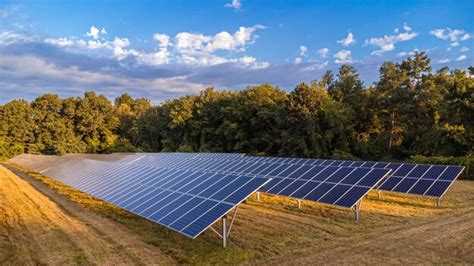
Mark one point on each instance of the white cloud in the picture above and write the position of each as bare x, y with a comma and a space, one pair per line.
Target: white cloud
190, 42
387, 42
97, 44
95, 33
404, 54
464, 49
461, 57
60, 41
118, 45
163, 39
452, 35
406, 27
323, 52
465, 37
198, 49
349, 40
303, 50
157, 58
193, 49
186, 42
9, 37
251, 62
235, 4
303, 53
343, 57
444, 61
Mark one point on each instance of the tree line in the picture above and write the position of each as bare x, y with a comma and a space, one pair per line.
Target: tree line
410, 110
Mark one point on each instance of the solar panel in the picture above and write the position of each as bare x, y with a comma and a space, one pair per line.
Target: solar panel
186, 201
417, 179
334, 185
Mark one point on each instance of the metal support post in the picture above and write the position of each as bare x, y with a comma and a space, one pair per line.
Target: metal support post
224, 231
258, 196
357, 211
299, 204
379, 194
438, 202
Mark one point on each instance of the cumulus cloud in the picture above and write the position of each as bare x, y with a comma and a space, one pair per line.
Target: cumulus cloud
453, 35
387, 42
95, 33
187, 48
323, 52
163, 39
198, 49
349, 40
461, 58
303, 50
187, 42
444, 61
343, 57
235, 4
464, 49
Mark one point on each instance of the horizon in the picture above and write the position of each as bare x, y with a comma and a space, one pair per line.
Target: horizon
143, 50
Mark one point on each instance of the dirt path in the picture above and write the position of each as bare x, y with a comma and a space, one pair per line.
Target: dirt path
38, 226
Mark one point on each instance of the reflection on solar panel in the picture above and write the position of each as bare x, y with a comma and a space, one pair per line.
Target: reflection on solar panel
340, 186
186, 201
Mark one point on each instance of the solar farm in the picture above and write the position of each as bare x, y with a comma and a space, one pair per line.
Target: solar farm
192, 192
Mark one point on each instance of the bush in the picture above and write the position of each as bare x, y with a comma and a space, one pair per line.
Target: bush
466, 161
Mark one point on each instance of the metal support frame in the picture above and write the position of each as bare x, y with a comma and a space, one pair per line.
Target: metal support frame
357, 210
299, 203
438, 202
226, 229
379, 194
258, 196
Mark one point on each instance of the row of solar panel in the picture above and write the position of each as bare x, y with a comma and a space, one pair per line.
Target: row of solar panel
342, 186
186, 201
404, 177
418, 179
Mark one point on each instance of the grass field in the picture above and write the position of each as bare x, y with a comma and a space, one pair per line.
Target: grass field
45, 222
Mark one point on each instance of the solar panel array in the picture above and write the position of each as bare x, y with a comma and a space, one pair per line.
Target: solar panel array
186, 201
417, 179
335, 185
188, 192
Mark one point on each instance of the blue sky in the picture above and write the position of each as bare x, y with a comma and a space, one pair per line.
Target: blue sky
166, 49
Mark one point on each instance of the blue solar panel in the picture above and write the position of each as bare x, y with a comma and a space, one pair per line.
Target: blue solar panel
186, 201
289, 176
404, 178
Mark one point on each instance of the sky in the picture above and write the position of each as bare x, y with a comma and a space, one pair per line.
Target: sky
167, 49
